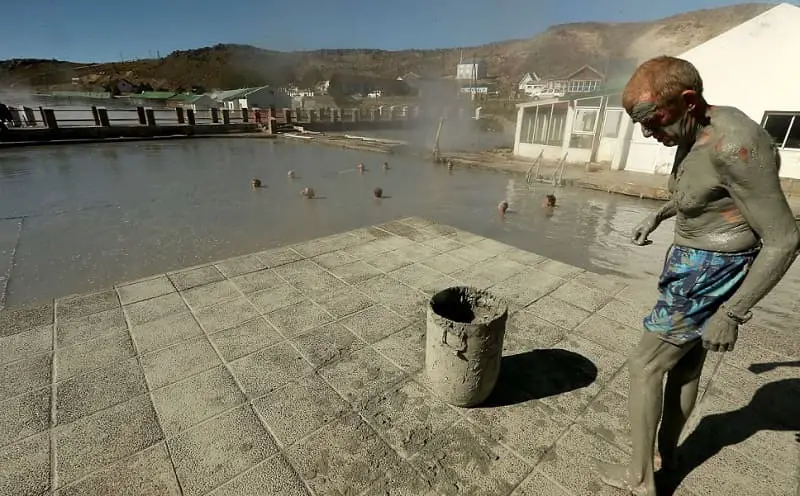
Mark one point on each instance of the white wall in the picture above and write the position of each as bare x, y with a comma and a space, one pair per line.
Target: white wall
753, 67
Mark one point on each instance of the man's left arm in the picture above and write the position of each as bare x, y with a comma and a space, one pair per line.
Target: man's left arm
749, 170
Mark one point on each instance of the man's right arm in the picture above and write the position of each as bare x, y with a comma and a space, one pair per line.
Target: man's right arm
666, 211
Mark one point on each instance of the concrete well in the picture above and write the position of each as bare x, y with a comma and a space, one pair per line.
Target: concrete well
464, 344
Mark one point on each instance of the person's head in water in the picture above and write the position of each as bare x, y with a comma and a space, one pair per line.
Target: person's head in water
665, 97
386, 166
378, 192
256, 183
308, 192
450, 165
550, 201
360, 167
290, 174
502, 207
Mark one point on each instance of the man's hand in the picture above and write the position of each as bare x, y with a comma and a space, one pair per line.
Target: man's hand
640, 232
720, 332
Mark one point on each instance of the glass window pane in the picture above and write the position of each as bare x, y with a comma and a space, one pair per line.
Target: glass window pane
777, 125
794, 134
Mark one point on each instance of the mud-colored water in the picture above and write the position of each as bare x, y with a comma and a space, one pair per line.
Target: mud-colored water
94, 215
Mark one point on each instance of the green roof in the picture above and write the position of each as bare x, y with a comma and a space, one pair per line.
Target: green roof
186, 97
155, 95
82, 94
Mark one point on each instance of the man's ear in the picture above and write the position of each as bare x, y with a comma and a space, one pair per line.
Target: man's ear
690, 99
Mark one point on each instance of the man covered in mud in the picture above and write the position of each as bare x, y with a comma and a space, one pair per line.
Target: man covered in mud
735, 238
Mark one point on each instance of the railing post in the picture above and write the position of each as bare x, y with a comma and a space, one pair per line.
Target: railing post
245, 115
142, 116
151, 116
96, 116
102, 117
356, 115
214, 115
226, 116
288, 116
30, 116
372, 114
335, 115
180, 115
190, 116
50, 118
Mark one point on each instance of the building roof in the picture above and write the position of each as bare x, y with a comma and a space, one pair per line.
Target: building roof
236, 94
82, 94
154, 95
187, 97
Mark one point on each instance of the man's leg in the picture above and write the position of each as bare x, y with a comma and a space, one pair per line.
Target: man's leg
680, 395
648, 363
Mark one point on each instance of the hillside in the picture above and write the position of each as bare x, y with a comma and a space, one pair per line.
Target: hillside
557, 51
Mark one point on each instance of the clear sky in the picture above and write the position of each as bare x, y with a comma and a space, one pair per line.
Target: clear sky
94, 31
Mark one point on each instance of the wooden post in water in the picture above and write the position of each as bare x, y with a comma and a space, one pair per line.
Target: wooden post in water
245, 115
50, 118
29, 116
226, 116
214, 115
190, 116
437, 157
95, 116
150, 114
288, 116
102, 117
179, 115
356, 115
142, 117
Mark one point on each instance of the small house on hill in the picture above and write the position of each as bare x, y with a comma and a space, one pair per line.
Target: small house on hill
257, 97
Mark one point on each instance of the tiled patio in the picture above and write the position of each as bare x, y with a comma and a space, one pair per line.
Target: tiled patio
298, 370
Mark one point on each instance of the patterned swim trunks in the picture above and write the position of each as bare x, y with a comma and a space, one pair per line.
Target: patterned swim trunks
692, 287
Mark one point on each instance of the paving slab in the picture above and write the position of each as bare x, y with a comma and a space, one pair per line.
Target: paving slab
299, 370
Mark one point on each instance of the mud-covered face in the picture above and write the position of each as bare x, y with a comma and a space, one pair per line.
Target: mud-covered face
667, 127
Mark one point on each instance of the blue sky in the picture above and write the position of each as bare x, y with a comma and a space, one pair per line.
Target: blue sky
94, 31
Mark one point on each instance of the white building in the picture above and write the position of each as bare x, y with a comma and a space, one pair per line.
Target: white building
258, 97
471, 70
531, 84
741, 67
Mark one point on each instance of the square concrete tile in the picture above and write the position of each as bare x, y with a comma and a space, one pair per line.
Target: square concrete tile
276, 298
300, 407
99, 389
153, 309
514, 418
402, 480
355, 272
197, 276
225, 315
605, 283
578, 452
491, 271
334, 259
216, 451
147, 472
558, 312
408, 417
178, 361
526, 287
442, 244
362, 375
582, 296
145, 289
538, 484
276, 257
775, 401
81, 329
530, 331
245, 338
471, 254
266, 370
369, 250
298, 318
446, 264
258, 281
272, 477
211, 293
492, 246
25, 466
462, 460
389, 261
76, 306
607, 362
610, 334
782, 342
110, 435
559, 269
89, 355
246, 264
327, 344
19, 319
374, 323
423, 278
405, 348
25, 344
607, 417
24, 415
626, 313
344, 457
316, 283
418, 252
163, 332
345, 302
526, 258
186, 403
25, 375
402, 299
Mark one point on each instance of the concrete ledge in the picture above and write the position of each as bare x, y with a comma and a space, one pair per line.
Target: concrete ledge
101, 133
298, 370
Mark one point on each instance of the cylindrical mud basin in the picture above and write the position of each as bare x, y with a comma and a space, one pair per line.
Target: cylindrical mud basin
464, 344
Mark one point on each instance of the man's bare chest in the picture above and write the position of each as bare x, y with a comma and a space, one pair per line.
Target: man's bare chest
696, 185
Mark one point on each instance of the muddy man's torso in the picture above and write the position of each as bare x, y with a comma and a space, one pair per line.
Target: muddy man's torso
707, 218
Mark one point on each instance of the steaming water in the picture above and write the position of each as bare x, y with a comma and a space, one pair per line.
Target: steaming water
94, 215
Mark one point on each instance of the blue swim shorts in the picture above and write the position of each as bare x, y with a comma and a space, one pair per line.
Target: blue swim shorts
692, 287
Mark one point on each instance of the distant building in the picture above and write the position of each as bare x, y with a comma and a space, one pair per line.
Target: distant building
475, 90
295, 92
192, 101
409, 76
322, 87
471, 70
531, 84
585, 80
375, 94
258, 97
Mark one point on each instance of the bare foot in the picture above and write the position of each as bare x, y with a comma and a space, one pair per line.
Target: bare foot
618, 476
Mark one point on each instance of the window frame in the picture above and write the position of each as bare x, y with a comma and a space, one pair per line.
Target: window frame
795, 121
